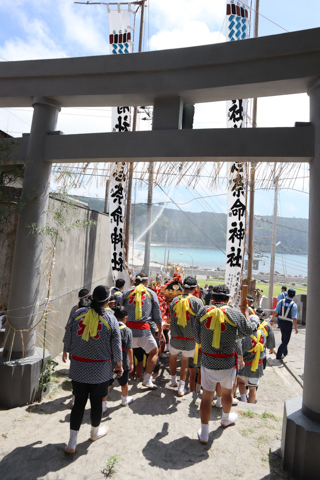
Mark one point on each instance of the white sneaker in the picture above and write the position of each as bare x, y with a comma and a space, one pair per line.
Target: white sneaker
181, 390
126, 401
202, 440
149, 385
218, 404
228, 419
235, 401
173, 385
98, 432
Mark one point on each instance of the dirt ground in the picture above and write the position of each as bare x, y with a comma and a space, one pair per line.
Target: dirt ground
155, 437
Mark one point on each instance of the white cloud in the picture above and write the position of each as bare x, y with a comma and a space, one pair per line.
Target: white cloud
31, 49
35, 41
168, 14
191, 34
87, 26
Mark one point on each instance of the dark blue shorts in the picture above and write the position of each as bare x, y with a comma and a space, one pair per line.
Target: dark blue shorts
123, 380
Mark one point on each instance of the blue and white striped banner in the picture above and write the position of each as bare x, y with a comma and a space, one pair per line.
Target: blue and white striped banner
237, 28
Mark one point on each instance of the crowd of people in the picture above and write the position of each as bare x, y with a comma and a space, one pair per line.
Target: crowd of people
113, 334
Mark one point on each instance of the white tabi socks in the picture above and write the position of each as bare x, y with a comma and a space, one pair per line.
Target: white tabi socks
203, 433
71, 447
228, 419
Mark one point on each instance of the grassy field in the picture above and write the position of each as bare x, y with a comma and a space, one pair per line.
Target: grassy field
263, 286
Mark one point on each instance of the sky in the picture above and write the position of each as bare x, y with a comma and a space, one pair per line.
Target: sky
36, 29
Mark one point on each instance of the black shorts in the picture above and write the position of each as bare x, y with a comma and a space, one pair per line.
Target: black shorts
123, 380
139, 353
166, 334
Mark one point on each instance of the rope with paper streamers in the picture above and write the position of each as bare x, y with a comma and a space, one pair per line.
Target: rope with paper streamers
30, 330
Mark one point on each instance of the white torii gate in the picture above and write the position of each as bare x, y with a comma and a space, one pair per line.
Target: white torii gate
267, 66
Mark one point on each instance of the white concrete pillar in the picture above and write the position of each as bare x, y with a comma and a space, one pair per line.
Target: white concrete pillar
25, 277
311, 389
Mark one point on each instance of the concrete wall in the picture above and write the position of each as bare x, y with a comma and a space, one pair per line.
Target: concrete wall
82, 260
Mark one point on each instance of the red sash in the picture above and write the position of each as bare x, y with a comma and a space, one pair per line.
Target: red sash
89, 360
139, 325
224, 355
184, 338
250, 363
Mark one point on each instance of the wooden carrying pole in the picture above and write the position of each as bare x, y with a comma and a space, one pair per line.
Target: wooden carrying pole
244, 293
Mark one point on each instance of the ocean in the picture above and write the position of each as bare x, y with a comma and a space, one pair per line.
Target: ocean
211, 258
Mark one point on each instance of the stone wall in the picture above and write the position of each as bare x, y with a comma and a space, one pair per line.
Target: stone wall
82, 260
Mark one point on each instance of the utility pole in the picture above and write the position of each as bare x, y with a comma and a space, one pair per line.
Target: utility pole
146, 263
273, 245
140, 3
131, 164
250, 280
165, 252
106, 199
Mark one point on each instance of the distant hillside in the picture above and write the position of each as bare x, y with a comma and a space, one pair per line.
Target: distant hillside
208, 229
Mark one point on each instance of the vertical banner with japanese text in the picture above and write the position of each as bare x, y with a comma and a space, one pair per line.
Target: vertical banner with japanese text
117, 203
237, 27
120, 38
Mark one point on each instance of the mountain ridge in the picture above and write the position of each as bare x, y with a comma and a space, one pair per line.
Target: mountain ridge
208, 229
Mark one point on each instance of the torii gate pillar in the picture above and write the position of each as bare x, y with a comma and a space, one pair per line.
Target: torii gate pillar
301, 422
26, 359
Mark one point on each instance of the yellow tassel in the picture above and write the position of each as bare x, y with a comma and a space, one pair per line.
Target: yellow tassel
138, 291
257, 349
217, 318
181, 308
196, 353
91, 322
263, 326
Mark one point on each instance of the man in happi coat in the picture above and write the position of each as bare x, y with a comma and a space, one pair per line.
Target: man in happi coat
254, 353
143, 308
118, 290
218, 328
183, 310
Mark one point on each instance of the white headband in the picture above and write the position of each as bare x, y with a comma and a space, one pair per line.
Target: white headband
80, 298
141, 278
190, 286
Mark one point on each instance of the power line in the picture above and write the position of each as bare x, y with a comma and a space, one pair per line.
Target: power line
192, 221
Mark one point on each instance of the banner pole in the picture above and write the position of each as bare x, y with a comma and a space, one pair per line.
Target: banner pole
250, 280
131, 165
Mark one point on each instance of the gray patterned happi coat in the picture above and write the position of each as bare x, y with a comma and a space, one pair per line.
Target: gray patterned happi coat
105, 346
230, 338
248, 344
186, 332
150, 310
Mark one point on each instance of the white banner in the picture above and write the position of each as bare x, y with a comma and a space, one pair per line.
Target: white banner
120, 43
120, 37
117, 210
237, 26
